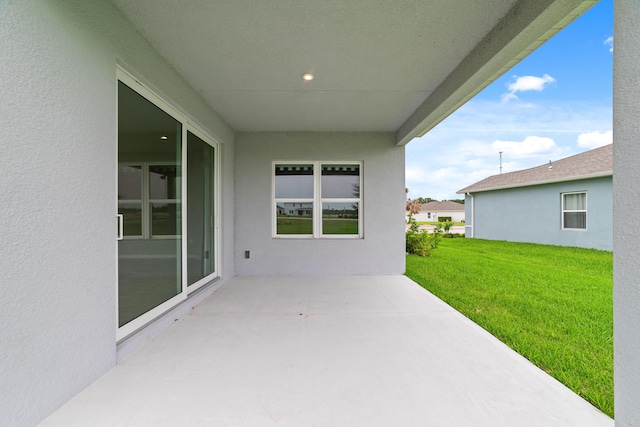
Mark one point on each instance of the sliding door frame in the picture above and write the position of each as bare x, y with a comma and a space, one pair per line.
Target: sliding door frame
204, 136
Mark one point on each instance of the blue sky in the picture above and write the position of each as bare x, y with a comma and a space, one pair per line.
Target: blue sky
555, 103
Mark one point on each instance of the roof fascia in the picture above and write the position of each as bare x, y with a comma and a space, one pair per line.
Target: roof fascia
523, 29
532, 183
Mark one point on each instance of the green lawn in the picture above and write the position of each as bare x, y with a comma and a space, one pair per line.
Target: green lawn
339, 225
295, 225
553, 305
304, 225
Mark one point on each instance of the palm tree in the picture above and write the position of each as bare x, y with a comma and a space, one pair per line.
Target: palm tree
413, 207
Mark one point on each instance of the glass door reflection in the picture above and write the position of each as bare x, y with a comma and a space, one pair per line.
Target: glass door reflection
200, 209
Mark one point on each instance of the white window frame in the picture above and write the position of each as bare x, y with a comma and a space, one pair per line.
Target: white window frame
317, 200
563, 210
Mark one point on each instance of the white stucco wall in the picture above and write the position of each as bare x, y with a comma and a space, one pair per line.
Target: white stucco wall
58, 194
626, 241
382, 249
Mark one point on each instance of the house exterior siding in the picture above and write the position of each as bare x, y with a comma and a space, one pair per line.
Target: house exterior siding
381, 251
534, 214
58, 259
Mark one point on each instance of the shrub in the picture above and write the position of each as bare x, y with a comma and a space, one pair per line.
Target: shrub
453, 235
420, 242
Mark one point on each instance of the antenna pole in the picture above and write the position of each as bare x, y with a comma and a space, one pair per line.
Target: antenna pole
500, 161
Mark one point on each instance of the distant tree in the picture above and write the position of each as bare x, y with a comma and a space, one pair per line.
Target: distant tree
424, 200
461, 201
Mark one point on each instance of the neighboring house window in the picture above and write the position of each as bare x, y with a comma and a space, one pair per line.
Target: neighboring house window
574, 210
429, 215
323, 199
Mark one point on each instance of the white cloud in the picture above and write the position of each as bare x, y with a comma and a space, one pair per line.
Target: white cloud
529, 147
415, 174
595, 139
506, 97
524, 84
609, 41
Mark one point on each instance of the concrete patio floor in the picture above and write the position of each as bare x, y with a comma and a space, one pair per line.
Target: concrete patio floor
326, 351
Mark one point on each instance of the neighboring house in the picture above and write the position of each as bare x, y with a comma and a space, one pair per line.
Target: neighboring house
568, 202
147, 147
295, 209
441, 211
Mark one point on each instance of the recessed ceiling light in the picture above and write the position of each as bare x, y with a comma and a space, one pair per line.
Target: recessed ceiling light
308, 76
164, 137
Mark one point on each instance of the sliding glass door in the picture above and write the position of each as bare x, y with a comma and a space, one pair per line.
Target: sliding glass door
166, 207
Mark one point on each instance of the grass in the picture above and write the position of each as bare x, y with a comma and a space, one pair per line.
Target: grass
553, 305
293, 225
304, 225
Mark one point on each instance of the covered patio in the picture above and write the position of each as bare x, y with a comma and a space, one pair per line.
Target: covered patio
325, 351
308, 330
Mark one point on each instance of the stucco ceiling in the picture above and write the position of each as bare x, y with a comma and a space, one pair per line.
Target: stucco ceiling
399, 66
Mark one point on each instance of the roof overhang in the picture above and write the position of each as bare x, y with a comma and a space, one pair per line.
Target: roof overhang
400, 66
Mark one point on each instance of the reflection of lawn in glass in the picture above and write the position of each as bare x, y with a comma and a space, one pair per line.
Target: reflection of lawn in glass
339, 225
160, 227
295, 225
132, 227
165, 227
304, 225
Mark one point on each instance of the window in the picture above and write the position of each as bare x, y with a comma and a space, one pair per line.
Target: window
317, 199
574, 211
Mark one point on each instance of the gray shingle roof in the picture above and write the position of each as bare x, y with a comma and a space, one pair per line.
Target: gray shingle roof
592, 163
445, 205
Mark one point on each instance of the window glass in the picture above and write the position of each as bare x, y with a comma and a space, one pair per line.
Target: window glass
165, 219
340, 181
294, 218
575, 220
575, 201
129, 182
200, 209
164, 182
131, 218
340, 218
574, 212
294, 181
